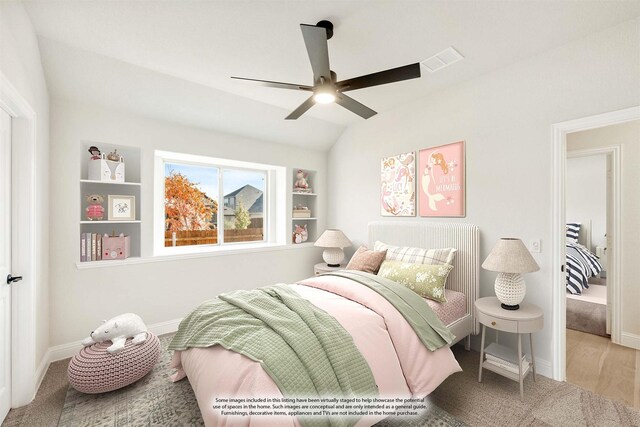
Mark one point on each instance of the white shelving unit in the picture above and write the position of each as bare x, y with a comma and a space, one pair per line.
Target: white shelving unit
306, 199
131, 187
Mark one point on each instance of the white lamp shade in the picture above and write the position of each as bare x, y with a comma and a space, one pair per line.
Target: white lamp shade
510, 255
333, 238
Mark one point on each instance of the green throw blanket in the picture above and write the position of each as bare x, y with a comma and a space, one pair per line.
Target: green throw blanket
303, 349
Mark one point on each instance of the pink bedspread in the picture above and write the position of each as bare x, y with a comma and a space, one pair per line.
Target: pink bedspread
402, 366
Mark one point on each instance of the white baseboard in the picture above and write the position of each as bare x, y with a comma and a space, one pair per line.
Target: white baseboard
543, 367
630, 340
64, 351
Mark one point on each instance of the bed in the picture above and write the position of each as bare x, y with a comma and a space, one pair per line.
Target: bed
400, 363
581, 264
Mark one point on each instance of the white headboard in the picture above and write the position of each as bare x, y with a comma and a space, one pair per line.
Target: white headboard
431, 235
584, 235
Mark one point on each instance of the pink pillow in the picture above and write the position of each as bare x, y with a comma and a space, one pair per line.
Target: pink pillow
367, 260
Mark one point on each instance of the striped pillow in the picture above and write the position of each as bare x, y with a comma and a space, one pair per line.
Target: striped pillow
572, 230
417, 255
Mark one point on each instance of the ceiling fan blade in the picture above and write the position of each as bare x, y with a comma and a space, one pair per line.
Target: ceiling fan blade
278, 85
315, 39
354, 106
301, 109
380, 78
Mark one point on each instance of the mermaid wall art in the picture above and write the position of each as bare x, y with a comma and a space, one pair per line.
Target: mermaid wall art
398, 185
442, 180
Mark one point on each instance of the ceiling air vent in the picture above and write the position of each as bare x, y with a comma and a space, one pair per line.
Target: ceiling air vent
442, 59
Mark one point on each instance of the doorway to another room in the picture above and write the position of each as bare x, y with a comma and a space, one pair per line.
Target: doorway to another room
595, 345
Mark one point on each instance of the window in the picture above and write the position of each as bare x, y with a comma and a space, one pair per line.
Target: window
190, 217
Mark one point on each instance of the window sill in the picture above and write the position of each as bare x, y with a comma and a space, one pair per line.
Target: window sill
210, 252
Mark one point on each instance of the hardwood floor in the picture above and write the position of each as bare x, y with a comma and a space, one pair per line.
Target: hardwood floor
595, 363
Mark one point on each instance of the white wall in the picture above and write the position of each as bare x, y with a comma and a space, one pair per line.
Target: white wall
626, 135
505, 118
587, 194
20, 64
157, 291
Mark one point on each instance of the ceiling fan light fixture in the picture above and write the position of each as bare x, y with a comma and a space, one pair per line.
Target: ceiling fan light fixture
324, 95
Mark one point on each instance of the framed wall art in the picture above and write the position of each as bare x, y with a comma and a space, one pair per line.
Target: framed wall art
122, 208
398, 185
442, 181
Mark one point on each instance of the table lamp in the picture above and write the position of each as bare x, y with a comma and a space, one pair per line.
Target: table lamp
510, 257
333, 241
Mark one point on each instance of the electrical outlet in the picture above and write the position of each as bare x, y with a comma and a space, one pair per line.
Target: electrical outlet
535, 246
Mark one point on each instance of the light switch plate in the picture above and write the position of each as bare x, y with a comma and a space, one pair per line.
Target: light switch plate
536, 246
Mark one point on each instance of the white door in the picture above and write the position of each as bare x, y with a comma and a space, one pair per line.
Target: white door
5, 263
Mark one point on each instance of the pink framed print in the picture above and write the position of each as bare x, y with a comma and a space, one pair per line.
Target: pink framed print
442, 181
398, 185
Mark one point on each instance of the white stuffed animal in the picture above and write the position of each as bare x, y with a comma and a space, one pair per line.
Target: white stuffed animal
117, 330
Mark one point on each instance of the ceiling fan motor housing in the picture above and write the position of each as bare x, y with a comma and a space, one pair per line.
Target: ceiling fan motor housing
327, 25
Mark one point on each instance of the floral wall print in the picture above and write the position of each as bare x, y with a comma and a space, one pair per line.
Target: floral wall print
398, 185
442, 181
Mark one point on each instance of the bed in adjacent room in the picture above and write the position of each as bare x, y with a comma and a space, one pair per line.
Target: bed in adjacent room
586, 290
396, 343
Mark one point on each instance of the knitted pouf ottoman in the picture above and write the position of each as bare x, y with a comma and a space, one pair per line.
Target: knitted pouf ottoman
94, 370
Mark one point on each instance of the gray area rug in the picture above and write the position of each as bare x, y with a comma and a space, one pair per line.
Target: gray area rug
155, 401
587, 317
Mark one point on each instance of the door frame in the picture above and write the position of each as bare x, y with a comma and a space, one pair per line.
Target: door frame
559, 133
23, 242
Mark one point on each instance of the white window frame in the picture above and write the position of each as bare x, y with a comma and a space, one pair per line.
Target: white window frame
274, 222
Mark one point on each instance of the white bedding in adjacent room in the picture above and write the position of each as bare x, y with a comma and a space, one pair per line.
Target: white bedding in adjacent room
594, 293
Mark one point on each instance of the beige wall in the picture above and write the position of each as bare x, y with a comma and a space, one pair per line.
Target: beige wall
157, 291
627, 136
20, 64
505, 117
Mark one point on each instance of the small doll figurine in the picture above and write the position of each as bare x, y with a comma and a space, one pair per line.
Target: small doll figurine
95, 153
301, 181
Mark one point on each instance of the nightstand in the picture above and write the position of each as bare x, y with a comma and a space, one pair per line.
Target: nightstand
324, 268
501, 359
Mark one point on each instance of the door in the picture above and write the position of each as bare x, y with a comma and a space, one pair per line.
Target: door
609, 241
5, 263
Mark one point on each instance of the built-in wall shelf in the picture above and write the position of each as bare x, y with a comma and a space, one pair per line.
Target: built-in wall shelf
308, 200
93, 181
108, 263
131, 186
137, 221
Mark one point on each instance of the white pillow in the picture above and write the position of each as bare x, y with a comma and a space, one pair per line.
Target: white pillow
417, 255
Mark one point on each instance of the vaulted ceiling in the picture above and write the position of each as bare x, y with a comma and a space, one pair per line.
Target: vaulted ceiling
173, 59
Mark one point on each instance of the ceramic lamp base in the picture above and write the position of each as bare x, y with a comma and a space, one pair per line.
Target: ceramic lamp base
333, 256
510, 290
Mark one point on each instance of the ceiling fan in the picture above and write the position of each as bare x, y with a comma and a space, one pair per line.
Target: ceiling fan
326, 87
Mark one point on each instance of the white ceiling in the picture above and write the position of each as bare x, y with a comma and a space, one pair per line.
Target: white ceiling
173, 59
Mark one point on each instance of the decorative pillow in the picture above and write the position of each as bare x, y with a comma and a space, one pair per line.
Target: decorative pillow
427, 280
417, 255
366, 260
572, 231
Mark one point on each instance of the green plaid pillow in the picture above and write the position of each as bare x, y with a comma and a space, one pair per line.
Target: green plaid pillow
424, 279
417, 255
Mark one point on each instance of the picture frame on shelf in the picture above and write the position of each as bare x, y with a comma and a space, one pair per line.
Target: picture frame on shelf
121, 208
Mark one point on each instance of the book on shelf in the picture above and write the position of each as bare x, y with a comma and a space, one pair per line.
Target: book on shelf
90, 247
301, 213
507, 366
83, 248
504, 357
